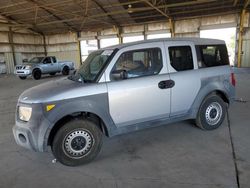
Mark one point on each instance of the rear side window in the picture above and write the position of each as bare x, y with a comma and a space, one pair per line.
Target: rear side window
181, 58
213, 55
54, 59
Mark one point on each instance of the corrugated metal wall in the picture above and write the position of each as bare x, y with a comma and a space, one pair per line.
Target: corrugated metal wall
64, 47
67, 56
9, 60
26, 45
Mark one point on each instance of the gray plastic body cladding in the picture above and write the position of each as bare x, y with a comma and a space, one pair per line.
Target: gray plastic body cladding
96, 104
210, 84
33, 129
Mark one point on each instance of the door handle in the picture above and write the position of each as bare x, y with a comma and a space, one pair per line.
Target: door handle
165, 84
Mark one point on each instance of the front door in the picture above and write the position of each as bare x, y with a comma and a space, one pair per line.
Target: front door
141, 93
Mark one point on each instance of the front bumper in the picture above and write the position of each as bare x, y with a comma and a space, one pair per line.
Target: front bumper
32, 134
23, 72
24, 137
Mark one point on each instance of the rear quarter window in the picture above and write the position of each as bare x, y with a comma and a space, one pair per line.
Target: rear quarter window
212, 55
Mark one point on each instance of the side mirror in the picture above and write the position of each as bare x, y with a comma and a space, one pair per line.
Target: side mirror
119, 75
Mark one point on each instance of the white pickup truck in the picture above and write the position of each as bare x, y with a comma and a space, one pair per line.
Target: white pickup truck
43, 65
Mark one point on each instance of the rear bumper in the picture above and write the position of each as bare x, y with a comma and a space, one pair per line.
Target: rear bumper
23, 72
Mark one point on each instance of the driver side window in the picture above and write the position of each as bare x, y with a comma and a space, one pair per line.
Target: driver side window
140, 63
47, 60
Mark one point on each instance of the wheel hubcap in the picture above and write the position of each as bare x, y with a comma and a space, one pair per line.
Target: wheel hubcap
78, 143
213, 113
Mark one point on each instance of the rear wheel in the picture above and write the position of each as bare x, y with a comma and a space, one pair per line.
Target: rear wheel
65, 70
22, 77
211, 113
77, 142
37, 74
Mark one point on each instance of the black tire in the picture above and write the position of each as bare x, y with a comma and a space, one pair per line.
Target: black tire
77, 142
211, 113
37, 74
65, 70
22, 77
52, 74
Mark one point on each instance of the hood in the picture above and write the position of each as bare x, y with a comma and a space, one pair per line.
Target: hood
26, 64
52, 91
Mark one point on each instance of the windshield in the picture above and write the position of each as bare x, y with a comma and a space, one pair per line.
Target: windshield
36, 60
93, 65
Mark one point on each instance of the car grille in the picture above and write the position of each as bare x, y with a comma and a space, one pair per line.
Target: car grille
20, 67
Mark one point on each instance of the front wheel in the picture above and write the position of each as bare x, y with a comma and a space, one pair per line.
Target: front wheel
77, 142
37, 74
22, 77
211, 113
65, 70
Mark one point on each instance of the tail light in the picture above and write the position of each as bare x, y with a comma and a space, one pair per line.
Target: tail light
233, 81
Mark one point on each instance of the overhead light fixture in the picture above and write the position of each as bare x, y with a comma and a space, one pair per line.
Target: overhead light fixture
130, 9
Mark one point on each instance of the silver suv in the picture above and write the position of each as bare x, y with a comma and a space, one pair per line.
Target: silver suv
126, 88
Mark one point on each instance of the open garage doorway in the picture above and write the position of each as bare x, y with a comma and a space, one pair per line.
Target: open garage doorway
105, 42
87, 46
226, 34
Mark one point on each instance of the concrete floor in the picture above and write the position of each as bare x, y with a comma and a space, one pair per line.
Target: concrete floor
174, 156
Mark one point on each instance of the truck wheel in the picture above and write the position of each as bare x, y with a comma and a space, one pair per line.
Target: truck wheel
65, 70
22, 77
52, 74
77, 142
37, 74
211, 113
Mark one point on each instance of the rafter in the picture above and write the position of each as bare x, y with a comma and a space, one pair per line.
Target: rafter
156, 8
51, 13
14, 23
235, 2
113, 21
194, 2
246, 3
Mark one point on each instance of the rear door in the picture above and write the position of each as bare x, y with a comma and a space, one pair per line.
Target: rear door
182, 66
143, 96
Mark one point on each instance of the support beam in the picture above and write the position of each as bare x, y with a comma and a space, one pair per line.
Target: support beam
98, 40
172, 28
45, 46
10, 36
241, 29
78, 34
145, 29
119, 35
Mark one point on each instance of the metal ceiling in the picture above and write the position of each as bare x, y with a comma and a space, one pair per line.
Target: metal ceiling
57, 16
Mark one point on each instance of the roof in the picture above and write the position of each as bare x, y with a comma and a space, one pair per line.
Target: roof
196, 41
58, 16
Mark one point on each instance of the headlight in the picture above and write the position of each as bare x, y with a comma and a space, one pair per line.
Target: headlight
27, 67
24, 113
